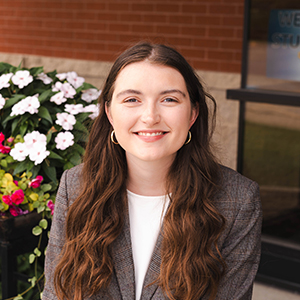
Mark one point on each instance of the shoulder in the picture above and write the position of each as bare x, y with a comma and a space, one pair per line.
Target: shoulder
236, 192
70, 183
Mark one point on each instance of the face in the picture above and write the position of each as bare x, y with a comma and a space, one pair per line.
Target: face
150, 112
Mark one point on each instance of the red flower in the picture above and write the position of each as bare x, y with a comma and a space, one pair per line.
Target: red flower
17, 197
16, 211
7, 199
4, 149
2, 137
35, 183
50, 204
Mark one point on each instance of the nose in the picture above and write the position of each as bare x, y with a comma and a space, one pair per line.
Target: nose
150, 114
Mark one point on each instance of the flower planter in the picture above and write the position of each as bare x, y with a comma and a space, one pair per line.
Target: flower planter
16, 238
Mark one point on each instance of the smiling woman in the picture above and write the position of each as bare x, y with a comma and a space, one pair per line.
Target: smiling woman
151, 214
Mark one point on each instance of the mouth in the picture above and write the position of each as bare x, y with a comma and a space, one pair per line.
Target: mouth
143, 133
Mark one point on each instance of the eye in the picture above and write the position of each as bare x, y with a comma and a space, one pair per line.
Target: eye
170, 100
130, 100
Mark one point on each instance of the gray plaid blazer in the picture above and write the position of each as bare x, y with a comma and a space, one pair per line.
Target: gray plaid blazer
239, 244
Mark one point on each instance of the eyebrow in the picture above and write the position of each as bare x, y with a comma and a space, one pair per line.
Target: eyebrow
131, 91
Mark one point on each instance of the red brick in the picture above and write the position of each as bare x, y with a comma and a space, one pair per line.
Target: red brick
96, 26
208, 20
170, 8
130, 17
118, 6
194, 8
182, 19
143, 7
167, 29
118, 27
182, 41
155, 18
205, 65
193, 30
96, 6
107, 16
222, 9
206, 43
233, 21
220, 55
231, 44
192, 53
230, 67
221, 32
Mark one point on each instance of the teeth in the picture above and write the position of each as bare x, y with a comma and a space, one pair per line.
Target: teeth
150, 134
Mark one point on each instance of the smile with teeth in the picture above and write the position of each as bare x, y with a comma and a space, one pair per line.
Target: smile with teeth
150, 133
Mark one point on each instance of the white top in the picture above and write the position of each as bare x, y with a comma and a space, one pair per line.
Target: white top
145, 215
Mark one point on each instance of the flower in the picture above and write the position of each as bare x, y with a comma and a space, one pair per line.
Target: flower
50, 204
7, 199
57, 86
33, 138
94, 109
68, 90
74, 109
35, 183
29, 104
74, 79
10, 139
2, 137
42, 76
58, 98
19, 152
16, 211
22, 78
65, 120
4, 149
90, 95
4, 80
2, 101
38, 153
17, 197
64, 140
61, 76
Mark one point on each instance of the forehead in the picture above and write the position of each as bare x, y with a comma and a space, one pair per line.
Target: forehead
149, 75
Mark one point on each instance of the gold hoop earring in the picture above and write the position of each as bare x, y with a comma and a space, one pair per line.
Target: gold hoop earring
112, 138
189, 138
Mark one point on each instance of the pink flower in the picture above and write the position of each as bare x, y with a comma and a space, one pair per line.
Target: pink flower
35, 183
17, 197
7, 199
2, 137
50, 204
16, 182
16, 211
10, 139
4, 149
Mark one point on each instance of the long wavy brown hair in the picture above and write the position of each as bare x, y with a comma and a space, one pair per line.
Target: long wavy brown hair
191, 264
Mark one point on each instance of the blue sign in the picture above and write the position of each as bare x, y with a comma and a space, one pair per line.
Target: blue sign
283, 52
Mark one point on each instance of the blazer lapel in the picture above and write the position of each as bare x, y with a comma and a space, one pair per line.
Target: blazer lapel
123, 262
152, 272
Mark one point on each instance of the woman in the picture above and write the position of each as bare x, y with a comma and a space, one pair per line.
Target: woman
151, 214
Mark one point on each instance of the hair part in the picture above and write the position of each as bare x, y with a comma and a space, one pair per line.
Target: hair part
192, 225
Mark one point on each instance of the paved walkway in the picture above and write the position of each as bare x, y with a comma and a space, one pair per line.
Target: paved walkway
265, 292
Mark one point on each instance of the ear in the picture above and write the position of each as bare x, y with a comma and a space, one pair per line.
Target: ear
194, 115
109, 117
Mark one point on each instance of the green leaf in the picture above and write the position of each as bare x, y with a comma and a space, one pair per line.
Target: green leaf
23, 128
14, 125
87, 86
22, 166
46, 187
44, 223
37, 230
79, 149
3, 163
44, 113
53, 155
68, 165
75, 159
4, 67
33, 281
80, 127
50, 172
40, 209
36, 70
31, 258
13, 100
36, 204
37, 252
44, 96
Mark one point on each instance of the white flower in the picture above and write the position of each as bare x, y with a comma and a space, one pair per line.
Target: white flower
90, 95
68, 90
64, 140
46, 79
4, 80
58, 98
61, 76
31, 140
65, 120
29, 104
38, 153
19, 152
94, 109
74, 79
74, 109
22, 78
2, 101
56, 87
32, 104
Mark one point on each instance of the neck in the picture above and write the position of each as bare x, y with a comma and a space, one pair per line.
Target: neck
147, 178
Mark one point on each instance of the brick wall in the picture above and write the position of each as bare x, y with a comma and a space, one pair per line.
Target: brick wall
207, 32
